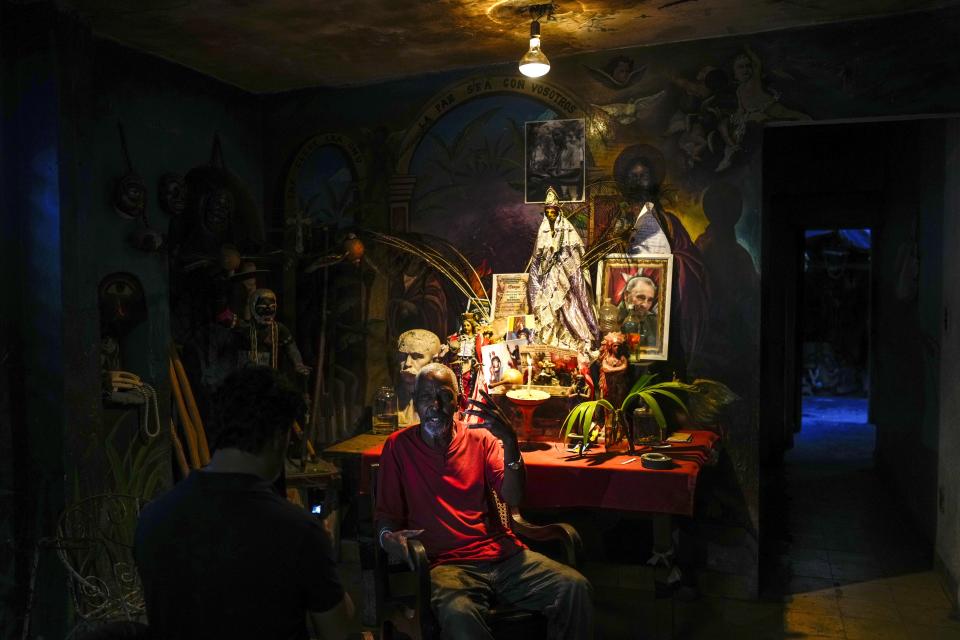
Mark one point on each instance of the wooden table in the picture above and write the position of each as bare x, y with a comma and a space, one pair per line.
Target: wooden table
606, 480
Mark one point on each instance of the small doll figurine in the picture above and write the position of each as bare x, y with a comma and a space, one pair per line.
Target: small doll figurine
264, 335
463, 346
468, 336
579, 390
613, 369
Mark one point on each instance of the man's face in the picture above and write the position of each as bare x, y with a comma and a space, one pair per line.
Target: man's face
641, 298
435, 400
742, 68
621, 72
639, 178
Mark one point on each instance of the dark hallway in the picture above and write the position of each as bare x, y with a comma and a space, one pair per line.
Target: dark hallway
846, 560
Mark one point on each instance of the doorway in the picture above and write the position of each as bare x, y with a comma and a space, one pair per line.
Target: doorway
834, 346
852, 246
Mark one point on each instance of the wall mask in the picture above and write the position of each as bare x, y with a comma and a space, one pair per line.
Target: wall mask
130, 196
172, 194
216, 210
130, 190
122, 304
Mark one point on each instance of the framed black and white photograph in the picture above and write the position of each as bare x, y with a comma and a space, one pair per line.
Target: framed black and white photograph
554, 156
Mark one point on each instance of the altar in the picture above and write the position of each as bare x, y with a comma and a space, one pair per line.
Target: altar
559, 479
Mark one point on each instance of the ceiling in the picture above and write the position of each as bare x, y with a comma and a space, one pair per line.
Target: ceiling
277, 45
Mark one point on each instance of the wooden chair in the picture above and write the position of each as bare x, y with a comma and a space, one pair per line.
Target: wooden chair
403, 616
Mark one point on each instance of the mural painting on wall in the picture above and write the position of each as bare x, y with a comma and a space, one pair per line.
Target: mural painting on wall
657, 148
327, 262
470, 170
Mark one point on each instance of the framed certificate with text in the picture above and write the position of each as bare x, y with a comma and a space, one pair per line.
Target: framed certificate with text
509, 297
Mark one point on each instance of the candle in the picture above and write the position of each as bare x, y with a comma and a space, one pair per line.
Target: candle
529, 370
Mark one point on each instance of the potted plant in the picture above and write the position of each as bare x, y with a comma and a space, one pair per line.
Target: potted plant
650, 394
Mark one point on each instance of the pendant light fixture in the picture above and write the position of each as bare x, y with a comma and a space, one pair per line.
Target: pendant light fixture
534, 63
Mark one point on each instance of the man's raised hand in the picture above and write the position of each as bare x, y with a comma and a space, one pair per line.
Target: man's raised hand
493, 418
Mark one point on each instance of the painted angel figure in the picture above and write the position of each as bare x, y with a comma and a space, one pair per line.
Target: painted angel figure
557, 291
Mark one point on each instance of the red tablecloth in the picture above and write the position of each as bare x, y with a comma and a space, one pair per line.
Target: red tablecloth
559, 479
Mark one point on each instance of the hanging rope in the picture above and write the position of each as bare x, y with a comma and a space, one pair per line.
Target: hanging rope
149, 395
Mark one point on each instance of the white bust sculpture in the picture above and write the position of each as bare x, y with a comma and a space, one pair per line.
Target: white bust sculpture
415, 349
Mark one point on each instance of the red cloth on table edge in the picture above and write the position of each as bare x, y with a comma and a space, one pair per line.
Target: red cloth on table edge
556, 480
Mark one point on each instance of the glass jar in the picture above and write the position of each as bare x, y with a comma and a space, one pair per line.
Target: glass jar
385, 419
608, 317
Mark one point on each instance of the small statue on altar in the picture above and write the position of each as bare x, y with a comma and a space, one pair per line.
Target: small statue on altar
263, 336
415, 349
467, 338
547, 375
557, 290
463, 346
580, 390
613, 369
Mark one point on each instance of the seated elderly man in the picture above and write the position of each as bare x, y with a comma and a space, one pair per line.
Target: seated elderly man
434, 481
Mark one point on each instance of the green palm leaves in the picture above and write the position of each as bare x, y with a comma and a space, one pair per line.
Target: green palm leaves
644, 390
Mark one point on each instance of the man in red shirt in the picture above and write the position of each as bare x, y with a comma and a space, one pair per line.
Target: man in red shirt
434, 482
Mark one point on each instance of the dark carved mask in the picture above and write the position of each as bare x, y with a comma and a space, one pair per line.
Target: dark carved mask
172, 194
217, 210
122, 303
263, 306
130, 196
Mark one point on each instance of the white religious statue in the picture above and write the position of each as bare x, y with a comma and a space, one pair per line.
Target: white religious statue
557, 291
415, 348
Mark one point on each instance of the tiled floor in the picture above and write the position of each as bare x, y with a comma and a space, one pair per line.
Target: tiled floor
846, 563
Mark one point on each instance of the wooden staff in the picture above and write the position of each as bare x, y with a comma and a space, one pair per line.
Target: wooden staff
178, 452
191, 403
299, 431
319, 382
191, 435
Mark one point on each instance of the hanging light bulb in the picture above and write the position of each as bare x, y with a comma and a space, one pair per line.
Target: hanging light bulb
534, 64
